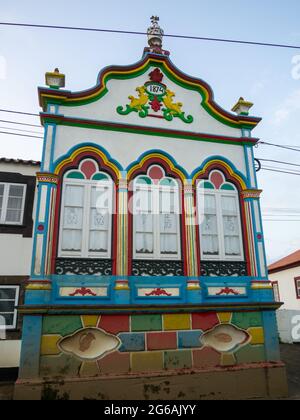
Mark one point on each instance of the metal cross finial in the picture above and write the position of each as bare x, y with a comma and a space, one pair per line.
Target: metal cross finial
154, 20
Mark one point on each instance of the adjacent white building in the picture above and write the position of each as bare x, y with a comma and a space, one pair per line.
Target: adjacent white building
17, 201
285, 277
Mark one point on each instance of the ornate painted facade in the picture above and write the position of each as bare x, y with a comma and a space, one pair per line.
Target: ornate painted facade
148, 254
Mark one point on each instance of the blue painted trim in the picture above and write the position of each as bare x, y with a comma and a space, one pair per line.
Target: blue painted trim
44, 145
255, 232
81, 145
263, 237
45, 241
221, 158
255, 174
164, 154
247, 163
53, 147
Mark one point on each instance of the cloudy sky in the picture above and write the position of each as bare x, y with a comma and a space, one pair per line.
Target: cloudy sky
270, 77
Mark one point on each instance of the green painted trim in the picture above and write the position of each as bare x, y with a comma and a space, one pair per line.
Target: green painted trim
141, 130
140, 72
75, 175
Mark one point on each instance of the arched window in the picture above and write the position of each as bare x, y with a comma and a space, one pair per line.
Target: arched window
86, 213
156, 216
219, 219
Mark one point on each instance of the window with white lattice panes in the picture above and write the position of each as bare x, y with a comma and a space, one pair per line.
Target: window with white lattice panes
219, 220
12, 203
156, 217
86, 216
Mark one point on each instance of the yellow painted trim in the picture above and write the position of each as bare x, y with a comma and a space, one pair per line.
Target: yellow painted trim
160, 156
87, 149
142, 67
38, 287
225, 165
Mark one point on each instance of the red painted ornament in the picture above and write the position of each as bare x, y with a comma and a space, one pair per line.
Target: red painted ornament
227, 291
159, 292
155, 104
156, 76
83, 292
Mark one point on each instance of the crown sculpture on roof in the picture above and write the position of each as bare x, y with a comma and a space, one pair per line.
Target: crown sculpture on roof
155, 38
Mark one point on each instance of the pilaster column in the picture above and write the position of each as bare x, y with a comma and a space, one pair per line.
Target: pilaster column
122, 290
255, 233
193, 285
42, 246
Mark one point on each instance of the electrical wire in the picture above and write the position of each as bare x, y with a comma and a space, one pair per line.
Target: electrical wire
20, 123
20, 130
293, 148
19, 112
21, 135
279, 161
123, 32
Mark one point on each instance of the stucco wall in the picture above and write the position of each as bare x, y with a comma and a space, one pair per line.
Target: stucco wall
287, 289
127, 148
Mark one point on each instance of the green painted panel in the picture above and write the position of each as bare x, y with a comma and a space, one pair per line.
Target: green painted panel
178, 359
100, 177
75, 175
146, 323
142, 180
228, 187
251, 354
59, 366
168, 183
61, 325
245, 320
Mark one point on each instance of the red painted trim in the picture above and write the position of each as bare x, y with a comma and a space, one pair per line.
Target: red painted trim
297, 279
169, 172
60, 119
229, 178
124, 69
285, 267
75, 165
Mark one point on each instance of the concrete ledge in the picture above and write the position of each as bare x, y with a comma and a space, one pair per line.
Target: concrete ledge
243, 382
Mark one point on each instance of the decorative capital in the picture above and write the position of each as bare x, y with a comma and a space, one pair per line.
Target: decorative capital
261, 285
242, 107
47, 178
251, 193
55, 80
42, 285
123, 184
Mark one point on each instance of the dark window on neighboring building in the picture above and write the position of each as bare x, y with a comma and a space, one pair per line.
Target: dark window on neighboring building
9, 298
16, 203
297, 283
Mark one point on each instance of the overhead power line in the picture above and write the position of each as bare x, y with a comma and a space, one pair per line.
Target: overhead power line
19, 112
20, 130
20, 123
123, 32
21, 135
279, 161
293, 148
279, 171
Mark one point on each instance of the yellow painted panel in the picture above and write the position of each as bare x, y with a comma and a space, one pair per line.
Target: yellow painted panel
49, 345
177, 322
257, 335
228, 359
89, 369
90, 321
225, 317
